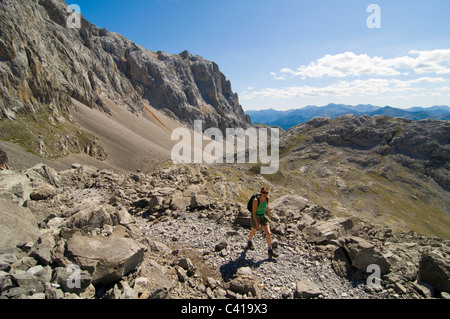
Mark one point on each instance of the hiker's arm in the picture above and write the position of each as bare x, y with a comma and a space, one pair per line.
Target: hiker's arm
254, 207
268, 210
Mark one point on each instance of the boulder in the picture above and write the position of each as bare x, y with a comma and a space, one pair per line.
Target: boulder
72, 279
313, 236
187, 265
16, 184
288, 203
334, 228
363, 253
106, 258
178, 201
243, 218
434, 269
124, 218
17, 224
42, 192
200, 201
341, 263
307, 289
156, 203
153, 281
324, 231
43, 174
92, 217
42, 249
27, 281
245, 284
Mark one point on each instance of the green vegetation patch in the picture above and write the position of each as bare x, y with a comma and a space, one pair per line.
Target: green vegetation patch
46, 134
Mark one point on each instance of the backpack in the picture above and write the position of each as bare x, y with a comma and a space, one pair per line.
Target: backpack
250, 202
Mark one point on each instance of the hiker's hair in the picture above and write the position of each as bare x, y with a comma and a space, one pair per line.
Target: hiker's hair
264, 188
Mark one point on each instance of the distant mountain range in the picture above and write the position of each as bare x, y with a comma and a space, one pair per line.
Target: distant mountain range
288, 119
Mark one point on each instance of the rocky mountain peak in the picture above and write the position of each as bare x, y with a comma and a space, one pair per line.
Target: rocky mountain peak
43, 62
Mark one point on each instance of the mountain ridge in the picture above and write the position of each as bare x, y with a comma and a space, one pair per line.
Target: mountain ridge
291, 118
49, 71
44, 64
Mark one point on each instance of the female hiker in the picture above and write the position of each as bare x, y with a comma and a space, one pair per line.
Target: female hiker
260, 218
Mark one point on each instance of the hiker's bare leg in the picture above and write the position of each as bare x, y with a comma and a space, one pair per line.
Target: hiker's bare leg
252, 233
268, 236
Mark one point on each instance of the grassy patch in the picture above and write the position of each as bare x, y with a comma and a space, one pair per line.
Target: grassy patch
46, 134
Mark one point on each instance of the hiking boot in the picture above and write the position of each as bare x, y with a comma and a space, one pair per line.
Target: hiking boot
250, 245
272, 254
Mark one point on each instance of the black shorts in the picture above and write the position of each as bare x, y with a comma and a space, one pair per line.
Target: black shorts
263, 220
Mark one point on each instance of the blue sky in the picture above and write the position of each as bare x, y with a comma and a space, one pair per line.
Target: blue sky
286, 54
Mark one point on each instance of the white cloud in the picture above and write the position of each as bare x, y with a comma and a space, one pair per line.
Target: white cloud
350, 64
369, 87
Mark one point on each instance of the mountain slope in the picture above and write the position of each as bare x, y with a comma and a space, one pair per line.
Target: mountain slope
45, 66
390, 170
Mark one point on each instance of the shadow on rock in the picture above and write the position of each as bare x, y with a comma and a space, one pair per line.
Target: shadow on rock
229, 270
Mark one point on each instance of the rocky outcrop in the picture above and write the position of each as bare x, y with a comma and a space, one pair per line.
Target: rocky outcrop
373, 167
130, 236
44, 63
422, 145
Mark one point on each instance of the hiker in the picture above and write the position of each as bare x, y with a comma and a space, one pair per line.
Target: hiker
260, 218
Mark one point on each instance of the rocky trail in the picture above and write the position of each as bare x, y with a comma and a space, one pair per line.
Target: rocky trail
89, 233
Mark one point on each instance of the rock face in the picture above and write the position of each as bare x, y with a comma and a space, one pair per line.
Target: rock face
43, 63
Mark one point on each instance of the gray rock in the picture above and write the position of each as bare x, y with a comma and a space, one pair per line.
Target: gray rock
92, 217
434, 269
187, 265
179, 202
17, 224
72, 279
288, 203
42, 249
6, 260
159, 284
107, 259
340, 263
53, 292
363, 253
308, 289
221, 246
200, 201
27, 281
6, 281
43, 191
245, 284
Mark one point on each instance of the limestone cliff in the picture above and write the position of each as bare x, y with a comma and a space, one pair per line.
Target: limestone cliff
43, 63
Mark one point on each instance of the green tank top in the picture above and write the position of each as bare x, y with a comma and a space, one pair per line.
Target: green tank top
261, 209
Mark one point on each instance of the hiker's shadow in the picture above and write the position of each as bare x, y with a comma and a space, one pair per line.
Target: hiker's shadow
229, 269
